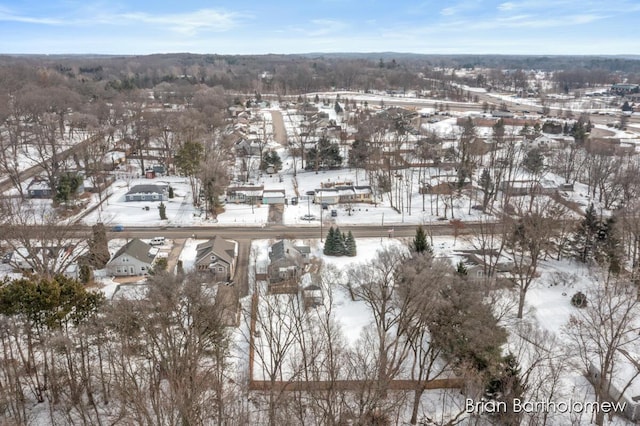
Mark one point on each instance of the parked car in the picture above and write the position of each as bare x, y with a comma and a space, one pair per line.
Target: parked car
157, 241
334, 213
117, 228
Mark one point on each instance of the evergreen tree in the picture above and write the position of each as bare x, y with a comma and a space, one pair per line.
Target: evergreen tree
487, 186
163, 211
329, 243
350, 245
271, 159
67, 187
533, 161
461, 269
584, 238
420, 243
609, 248
338, 242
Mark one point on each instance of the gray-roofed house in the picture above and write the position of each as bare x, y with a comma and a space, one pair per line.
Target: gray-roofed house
148, 192
133, 258
39, 188
287, 261
217, 256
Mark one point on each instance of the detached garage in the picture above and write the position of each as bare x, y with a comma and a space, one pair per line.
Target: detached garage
273, 196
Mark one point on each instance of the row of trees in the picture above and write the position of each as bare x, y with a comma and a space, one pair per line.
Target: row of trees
160, 360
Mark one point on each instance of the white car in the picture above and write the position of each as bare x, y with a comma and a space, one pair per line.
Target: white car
157, 241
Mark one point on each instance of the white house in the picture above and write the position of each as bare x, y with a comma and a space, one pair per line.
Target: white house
133, 259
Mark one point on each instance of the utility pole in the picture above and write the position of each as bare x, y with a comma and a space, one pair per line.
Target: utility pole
321, 207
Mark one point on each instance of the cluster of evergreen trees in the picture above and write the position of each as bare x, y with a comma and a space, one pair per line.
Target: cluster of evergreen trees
595, 241
339, 244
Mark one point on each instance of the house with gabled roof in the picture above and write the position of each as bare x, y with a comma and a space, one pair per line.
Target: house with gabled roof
148, 192
217, 256
134, 258
287, 261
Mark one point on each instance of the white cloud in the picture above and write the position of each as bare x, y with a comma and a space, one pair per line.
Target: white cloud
8, 15
504, 7
186, 23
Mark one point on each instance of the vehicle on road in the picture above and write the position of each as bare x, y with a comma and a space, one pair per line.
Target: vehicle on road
157, 241
117, 228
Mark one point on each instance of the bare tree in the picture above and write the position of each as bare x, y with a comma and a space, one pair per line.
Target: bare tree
172, 354
41, 241
374, 283
603, 334
529, 241
419, 280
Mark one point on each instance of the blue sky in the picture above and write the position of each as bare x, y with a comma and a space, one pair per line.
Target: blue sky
553, 27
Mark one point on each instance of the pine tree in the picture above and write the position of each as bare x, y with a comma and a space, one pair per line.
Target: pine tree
163, 211
420, 243
608, 246
338, 242
585, 236
329, 243
350, 245
461, 269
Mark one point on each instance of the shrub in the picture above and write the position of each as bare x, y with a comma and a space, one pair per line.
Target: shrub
579, 300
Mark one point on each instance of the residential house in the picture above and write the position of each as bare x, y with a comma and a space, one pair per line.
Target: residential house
286, 261
245, 147
343, 194
217, 256
326, 196
133, 259
273, 196
545, 142
245, 194
39, 188
148, 192
621, 89
482, 263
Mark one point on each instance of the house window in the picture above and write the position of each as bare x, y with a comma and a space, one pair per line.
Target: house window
118, 270
220, 270
142, 268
